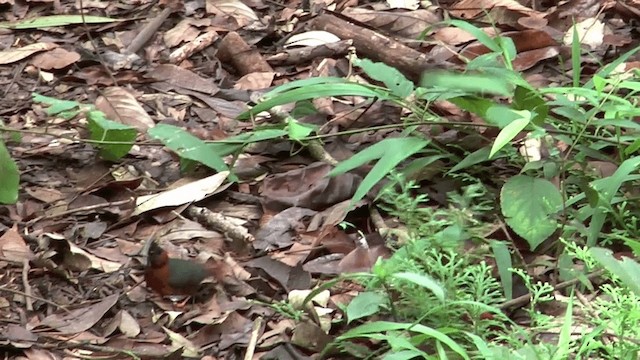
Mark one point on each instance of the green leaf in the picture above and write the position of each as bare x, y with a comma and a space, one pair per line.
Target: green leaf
528, 205
529, 99
55, 20
478, 33
473, 83
390, 153
576, 58
564, 340
607, 188
511, 131
476, 105
56, 106
235, 144
405, 355
375, 328
10, 179
365, 304
312, 92
503, 261
298, 131
103, 129
391, 77
501, 115
626, 269
187, 146
634, 245
425, 281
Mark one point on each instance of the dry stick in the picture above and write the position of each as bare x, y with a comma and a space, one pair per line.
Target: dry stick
35, 297
220, 223
80, 209
200, 43
25, 283
147, 31
373, 45
251, 347
308, 53
521, 300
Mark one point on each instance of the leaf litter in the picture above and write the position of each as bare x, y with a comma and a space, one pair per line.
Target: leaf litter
69, 249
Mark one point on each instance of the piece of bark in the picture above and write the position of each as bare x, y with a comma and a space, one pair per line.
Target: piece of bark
235, 51
307, 53
375, 46
199, 43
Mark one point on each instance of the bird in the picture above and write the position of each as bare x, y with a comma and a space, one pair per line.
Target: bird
169, 276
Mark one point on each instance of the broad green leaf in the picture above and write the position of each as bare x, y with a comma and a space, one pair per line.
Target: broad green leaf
391, 77
425, 281
365, 304
528, 205
10, 179
627, 270
511, 131
105, 130
55, 20
187, 146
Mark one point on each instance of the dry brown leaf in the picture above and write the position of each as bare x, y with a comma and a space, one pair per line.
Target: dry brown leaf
78, 259
409, 24
470, 9
13, 247
57, 58
308, 187
16, 54
121, 106
183, 78
281, 230
185, 31
81, 319
255, 81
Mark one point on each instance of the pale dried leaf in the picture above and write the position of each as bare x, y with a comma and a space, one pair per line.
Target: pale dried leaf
16, 54
119, 105
194, 191
311, 38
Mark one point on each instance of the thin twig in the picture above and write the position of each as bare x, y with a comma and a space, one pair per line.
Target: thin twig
25, 282
251, 347
35, 297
